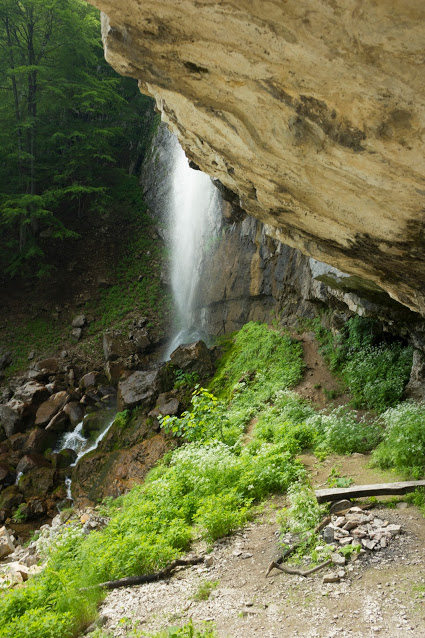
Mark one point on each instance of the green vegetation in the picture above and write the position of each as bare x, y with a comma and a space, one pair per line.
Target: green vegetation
403, 445
204, 590
374, 370
187, 631
41, 335
68, 128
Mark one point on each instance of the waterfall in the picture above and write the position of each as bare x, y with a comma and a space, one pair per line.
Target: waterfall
194, 216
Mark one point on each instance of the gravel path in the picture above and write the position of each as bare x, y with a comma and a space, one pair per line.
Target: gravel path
383, 593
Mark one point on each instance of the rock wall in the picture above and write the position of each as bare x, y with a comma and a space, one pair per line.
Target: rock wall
312, 111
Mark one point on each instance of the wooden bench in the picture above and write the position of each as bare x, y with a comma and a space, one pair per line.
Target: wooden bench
359, 491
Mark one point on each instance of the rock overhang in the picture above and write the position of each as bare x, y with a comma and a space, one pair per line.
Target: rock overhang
312, 112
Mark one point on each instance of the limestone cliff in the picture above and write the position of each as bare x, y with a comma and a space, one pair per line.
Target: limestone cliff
312, 111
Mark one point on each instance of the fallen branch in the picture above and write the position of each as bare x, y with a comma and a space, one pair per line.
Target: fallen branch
149, 578
299, 572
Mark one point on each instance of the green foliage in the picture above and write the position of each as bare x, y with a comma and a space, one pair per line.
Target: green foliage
206, 421
375, 371
403, 445
185, 379
68, 128
261, 358
304, 512
19, 515
40, 335
204, 590
336, 480
342, 432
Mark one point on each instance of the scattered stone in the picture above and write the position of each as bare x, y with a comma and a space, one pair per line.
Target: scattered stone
76, 334
337, 559
79, 321
339, 506
6, 545
49, 408
333, 577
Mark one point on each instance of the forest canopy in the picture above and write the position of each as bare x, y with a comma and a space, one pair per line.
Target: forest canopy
71, 129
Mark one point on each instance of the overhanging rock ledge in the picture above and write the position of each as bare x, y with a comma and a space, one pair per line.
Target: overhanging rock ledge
312, 111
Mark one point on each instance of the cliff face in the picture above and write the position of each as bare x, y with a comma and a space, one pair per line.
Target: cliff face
312, 111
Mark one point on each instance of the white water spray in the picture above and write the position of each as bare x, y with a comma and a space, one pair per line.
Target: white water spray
194, 215
76, 441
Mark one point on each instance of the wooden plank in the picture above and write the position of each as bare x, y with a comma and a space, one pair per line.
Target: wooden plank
358, 491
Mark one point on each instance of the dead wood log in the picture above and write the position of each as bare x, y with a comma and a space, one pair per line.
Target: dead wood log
150, 578
299, 572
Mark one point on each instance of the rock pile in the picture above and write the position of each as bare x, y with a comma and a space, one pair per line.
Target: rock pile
360, 527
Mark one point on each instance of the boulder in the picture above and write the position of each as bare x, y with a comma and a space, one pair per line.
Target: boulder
79, 321
64, 458
10, 498
49, 408
34, 508
168, 404
39, 440
6, 545
17, 441
76, 334
75, 412
91, 379
193, 357
31, 461
95, 422
114, 371
39, 482
7, 475
59, 423
142, 388
140, 338
32, 393
13, 416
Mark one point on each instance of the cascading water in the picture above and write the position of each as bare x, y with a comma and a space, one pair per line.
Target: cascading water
195, 211
76, 441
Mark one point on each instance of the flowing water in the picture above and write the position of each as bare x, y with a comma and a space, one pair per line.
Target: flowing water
195, 211
76, 441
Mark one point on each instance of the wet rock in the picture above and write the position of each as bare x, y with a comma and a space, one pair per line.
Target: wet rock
64, 458
140, 338
49, 408
59, 423
39, 440
10, 498
31, 461
142, 388
193, 357
14, 416
116, 345
32, 393
75, 412
95, 422
7, 475
38, 482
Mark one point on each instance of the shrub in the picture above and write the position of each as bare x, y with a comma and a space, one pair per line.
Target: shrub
341, 432
304, 511
403, 445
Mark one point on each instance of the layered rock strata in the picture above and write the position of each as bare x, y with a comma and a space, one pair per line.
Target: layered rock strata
311, 111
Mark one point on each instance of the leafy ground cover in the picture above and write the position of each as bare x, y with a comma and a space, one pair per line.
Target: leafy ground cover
374, 368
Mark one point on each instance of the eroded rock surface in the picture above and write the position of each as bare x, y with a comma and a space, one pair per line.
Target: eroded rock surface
312, 112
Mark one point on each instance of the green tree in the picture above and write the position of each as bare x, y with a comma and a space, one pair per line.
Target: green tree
68, 125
